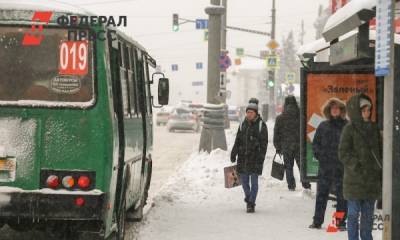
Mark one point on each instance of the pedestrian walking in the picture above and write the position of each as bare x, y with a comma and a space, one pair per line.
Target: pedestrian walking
287, 139
325, 149
249, 151
360, 151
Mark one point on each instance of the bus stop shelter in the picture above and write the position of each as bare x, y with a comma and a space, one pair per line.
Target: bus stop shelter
342, 64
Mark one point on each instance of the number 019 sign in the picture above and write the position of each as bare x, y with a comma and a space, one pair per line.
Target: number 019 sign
73, 58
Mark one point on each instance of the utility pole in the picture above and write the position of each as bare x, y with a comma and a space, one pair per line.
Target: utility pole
390, 191
386, 55
215, 12
272, 88
224, 23
213, 133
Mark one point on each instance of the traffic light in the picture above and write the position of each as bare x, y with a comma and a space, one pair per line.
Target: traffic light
271, 79
175, 22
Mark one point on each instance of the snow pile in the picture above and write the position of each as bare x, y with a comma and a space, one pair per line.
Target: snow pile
197, 178
347, 11
313, 47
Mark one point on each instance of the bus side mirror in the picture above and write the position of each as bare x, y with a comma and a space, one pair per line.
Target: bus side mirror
163, 91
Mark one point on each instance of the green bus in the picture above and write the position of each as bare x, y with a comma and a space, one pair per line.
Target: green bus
76, 128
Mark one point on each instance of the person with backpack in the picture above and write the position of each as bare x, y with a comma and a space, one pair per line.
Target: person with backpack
360, 151
287, 139
249, 151
325, 149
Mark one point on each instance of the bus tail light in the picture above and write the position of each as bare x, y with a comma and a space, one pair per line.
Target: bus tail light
80, 201
68, 182
52, 181
68, 179
83, 182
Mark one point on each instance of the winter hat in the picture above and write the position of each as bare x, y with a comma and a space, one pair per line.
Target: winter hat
253, 100
252, 106
364, 102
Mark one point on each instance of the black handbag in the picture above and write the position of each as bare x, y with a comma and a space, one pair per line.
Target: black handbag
278, 169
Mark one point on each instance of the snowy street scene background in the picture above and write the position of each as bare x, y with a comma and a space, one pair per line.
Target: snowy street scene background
119, 119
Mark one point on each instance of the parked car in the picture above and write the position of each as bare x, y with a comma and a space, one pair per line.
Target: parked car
162, 116
234, 113
183, 119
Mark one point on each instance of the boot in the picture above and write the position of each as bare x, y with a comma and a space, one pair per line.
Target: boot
306, 185
315, 226
251, 208
248, 207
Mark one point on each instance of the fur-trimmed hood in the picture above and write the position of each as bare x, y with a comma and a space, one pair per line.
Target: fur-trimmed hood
326, 109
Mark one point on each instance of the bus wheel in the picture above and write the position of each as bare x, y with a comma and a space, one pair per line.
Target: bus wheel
121, 222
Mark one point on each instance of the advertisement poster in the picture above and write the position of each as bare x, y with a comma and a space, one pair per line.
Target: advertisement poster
322, 87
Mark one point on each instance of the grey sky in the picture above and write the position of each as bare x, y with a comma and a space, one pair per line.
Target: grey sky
149, 22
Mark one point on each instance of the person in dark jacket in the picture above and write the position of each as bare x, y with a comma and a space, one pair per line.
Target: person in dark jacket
325, 149
287, 139
360, 151
250, 148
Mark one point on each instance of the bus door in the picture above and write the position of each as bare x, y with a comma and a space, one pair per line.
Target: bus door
141, 90
149, 113
134, 136
118, 113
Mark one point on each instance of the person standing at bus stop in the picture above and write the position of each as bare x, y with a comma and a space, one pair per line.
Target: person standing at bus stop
250, 148
360, 151
287, 139
325, 149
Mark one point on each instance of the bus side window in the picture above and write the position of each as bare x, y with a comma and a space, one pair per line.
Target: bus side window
132, 82
124, 78
140, 81
147, 85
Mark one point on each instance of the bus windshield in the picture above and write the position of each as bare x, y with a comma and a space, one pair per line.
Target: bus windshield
56, 71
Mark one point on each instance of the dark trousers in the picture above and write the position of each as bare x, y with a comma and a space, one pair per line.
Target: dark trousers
289, 158
327, 176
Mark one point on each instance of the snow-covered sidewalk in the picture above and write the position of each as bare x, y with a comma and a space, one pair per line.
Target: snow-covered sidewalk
194, 204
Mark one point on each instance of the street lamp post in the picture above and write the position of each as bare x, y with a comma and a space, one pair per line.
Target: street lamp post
213, 133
